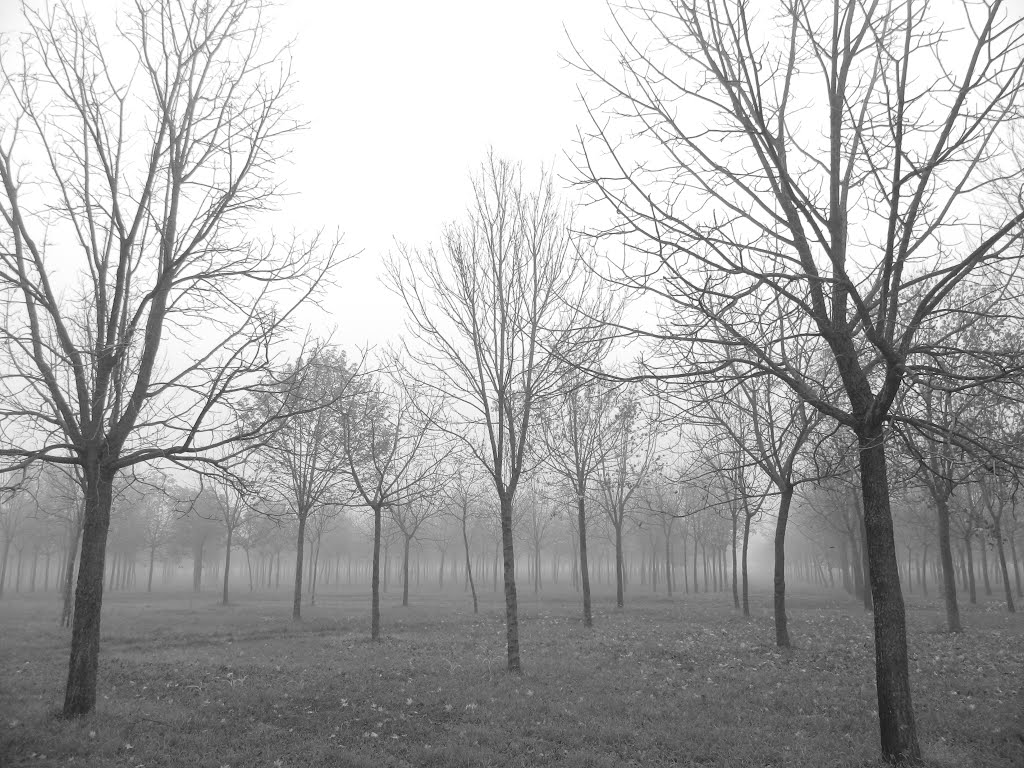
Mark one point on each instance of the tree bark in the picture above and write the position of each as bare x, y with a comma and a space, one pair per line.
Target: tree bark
581, 524
781, 627
735, 580
1001, 551
972, 586
469, 566
297, 594
227, 566
405, 572
892, 674
80, 694
619, 575
511, 605
375, 578
746, 581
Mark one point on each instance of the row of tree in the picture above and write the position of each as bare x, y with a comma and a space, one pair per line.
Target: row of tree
818, 212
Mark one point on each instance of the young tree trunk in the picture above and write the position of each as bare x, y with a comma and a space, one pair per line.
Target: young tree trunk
735, 581
946, 560
668, 563
469, 567
781, 628
984, 569
746, 582
892, 674
584, 568
80, 694
405, 572
227, 566
511, 605
1000, 550
972, 586
3, 565
297, 594
375, 578
619, 570
152, 558
1016, 563
696, 584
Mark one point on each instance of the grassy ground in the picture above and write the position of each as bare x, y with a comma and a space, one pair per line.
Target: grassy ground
686, 682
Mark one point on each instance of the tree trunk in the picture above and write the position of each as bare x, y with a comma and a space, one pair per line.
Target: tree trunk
1000, 550
3, 565
69, 574
511, 602
619, 575
405, 572
197, 566
375, 578
152, 558
746, 582
892, 676
297, 594
946, 560
581, 524
781, 627
668, 563
227, 566
1016, 563
984, 569
972, 586
469, 566
735, 580
696, 584
80, 695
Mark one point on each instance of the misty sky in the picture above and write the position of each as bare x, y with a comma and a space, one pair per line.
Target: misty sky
403, 99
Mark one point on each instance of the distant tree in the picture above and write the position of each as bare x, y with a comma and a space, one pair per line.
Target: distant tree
390, 459
494, 316
302, 459
575, 432
631, 449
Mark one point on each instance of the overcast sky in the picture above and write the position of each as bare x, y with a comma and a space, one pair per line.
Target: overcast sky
403, 98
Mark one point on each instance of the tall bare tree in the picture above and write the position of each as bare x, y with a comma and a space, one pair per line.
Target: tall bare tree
496, 314
827, 157
138, 306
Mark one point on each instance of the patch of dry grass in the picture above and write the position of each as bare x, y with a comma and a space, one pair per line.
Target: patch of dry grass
685, 682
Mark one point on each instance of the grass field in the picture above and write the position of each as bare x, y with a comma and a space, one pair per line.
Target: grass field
685, 682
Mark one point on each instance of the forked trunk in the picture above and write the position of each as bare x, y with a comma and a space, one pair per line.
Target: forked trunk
892, 675
80, 695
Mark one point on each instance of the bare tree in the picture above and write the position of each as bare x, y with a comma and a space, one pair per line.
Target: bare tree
495, 316
822, 157
631, 450
138, 305
575, 434
389, 458
302, 458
